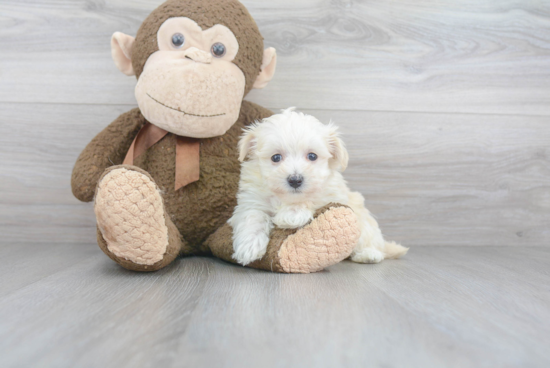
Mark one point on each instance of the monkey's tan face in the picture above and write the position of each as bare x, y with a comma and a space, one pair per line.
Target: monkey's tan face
191, 87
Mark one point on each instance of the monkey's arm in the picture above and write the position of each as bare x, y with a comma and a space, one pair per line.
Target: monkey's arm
108, 148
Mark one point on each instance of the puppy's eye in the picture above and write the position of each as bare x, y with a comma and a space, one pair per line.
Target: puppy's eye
276, 158
178, 40
218, 49
311, 156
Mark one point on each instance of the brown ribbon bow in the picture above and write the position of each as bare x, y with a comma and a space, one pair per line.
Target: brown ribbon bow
187, 153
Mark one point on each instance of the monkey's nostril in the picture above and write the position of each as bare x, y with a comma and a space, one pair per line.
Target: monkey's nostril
295, 181
198, 56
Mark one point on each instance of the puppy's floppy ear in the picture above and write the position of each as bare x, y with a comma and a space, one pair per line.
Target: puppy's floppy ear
247, 143
340, 157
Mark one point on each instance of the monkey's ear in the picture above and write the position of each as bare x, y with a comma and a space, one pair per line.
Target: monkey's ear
340, 156
121, 50
247, 142
267, 71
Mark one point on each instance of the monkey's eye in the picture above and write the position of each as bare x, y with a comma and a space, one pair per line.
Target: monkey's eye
218, 49
311, 156
178, 40
276, 158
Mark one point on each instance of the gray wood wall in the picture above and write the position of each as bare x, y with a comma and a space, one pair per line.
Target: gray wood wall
445, 106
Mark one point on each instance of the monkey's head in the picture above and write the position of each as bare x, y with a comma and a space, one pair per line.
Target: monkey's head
195, 60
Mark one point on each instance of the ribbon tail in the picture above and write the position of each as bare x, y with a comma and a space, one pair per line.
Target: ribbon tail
129, 159
187, 161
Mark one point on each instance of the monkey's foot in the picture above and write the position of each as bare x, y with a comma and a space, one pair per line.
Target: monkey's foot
327, 240
133, 227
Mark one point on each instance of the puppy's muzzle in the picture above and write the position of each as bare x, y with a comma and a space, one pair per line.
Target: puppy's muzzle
295, 181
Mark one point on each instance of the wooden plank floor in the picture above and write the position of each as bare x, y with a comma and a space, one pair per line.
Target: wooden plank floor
437, 307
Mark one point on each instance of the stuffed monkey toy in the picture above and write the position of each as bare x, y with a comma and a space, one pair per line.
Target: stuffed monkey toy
164, 176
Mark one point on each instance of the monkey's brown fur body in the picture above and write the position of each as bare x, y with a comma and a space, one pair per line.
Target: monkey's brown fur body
198, 209
194, 217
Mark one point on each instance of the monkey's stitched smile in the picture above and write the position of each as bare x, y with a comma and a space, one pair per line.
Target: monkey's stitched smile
183, 112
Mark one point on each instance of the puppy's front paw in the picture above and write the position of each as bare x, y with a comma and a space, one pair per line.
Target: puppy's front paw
368, 255
292, 218
250, 248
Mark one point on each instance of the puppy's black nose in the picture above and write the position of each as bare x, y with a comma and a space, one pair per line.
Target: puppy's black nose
295, 181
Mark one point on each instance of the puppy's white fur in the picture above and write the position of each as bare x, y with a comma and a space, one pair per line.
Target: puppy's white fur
266, 198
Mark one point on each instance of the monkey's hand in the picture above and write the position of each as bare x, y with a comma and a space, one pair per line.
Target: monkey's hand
108, 148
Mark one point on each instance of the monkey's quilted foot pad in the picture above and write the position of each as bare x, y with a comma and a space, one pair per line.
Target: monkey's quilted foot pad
130, 216
327, 240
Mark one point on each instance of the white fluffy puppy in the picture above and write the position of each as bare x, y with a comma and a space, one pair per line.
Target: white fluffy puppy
293, 169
